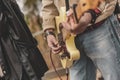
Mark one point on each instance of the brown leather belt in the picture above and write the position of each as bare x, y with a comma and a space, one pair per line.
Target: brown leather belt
94, 26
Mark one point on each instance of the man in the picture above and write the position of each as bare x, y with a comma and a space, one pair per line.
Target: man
20, 58
97, 38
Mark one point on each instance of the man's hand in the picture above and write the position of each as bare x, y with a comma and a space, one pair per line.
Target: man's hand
1, 72
53, 44
77, 28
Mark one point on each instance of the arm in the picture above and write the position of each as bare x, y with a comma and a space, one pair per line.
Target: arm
106, 9
49, 11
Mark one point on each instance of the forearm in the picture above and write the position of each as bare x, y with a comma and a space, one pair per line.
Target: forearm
49, 11
83, 23
105, 9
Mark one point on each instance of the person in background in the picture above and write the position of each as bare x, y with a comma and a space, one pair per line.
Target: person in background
97, 37
20, 59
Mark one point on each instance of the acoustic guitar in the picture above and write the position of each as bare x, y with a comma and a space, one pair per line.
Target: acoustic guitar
70, 53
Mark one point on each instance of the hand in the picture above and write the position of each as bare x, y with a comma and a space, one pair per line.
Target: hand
1, 72
53, 44
77, 28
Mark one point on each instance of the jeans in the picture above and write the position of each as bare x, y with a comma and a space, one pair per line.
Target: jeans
99, 48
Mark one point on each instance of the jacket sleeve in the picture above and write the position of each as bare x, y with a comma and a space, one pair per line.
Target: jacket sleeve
107, 8
3, 22
49, 11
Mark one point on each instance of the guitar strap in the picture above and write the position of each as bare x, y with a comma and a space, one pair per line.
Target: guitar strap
74, 6
67, 5
74, 12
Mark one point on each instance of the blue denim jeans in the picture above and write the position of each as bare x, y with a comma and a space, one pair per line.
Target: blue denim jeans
99, 48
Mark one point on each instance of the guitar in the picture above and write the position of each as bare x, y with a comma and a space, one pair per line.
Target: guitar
70, 53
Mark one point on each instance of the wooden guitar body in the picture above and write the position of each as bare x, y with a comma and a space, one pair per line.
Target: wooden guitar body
72, 53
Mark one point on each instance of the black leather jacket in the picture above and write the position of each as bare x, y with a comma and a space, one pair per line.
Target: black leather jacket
18, 48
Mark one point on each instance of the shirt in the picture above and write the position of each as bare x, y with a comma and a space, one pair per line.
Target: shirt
51, 9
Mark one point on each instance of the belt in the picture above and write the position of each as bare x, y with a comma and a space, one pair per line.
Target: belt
94, 26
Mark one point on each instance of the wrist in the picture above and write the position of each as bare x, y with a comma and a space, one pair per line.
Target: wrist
94, 13
49, 29
49, 32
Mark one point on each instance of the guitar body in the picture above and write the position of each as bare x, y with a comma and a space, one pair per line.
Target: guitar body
72, 52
